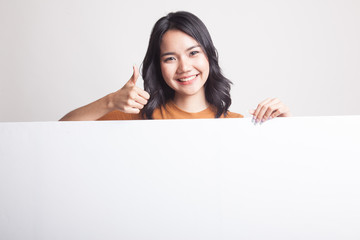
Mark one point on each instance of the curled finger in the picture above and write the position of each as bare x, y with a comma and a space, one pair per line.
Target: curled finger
272, 107
131, 110
141, 100
135, 104
275, 114
142, 93
258, 109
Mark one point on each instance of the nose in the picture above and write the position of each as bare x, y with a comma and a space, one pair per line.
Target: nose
184, 65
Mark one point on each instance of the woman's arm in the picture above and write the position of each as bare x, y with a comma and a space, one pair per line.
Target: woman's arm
268, 109
92, 111
129, 99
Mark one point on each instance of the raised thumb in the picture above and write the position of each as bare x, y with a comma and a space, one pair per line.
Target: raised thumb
135, 75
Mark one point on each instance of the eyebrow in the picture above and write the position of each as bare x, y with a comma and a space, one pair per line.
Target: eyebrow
173, 53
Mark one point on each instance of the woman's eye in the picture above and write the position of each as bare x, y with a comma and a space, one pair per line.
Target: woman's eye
194, 53
169, 59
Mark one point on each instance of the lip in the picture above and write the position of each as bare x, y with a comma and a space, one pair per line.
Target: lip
190, 81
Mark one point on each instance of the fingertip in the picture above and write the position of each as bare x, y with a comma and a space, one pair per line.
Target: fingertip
134, 69
135, 73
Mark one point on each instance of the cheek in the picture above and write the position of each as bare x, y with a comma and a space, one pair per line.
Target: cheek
167, 71
204, 65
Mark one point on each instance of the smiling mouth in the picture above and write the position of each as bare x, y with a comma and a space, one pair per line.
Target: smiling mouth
188, 78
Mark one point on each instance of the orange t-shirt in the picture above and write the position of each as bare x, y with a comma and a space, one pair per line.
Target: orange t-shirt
170, 111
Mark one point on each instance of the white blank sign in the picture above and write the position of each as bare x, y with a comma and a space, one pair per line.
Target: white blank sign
290, 178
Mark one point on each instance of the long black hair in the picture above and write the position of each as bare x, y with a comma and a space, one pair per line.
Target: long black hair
217, 87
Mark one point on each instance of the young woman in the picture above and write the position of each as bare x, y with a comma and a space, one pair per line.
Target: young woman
182, 79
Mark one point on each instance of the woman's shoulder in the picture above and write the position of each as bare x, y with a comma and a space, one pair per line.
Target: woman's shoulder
233, 115
118, 115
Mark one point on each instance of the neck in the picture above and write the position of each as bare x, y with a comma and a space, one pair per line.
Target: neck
194, 103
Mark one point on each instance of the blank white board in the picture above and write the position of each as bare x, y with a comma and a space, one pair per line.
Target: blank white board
293, 178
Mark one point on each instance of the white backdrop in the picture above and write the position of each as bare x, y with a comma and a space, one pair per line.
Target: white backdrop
58, 55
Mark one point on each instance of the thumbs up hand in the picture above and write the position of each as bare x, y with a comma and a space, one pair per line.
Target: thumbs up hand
130, 98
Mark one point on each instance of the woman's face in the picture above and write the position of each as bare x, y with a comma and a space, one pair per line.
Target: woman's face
184, 65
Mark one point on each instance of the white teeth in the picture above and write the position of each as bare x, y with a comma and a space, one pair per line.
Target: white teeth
187, 79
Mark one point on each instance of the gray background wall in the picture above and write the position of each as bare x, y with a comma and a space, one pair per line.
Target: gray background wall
58, 55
